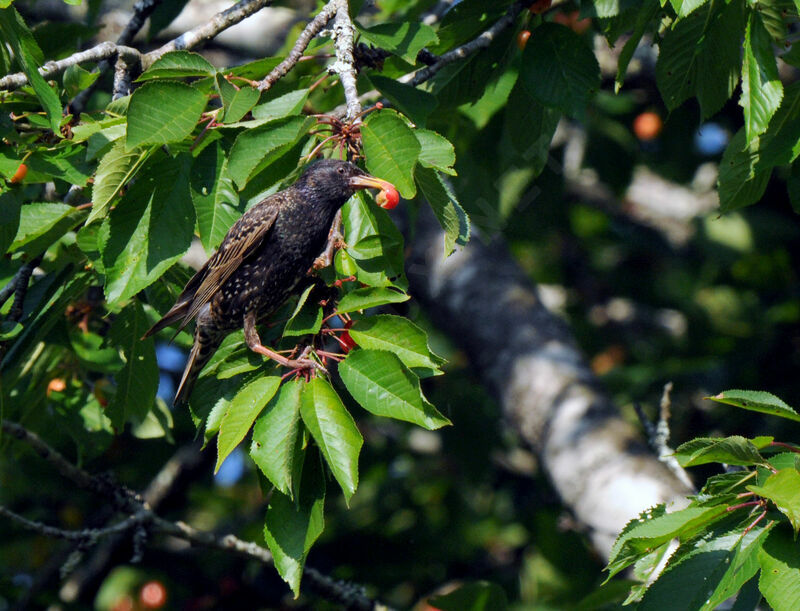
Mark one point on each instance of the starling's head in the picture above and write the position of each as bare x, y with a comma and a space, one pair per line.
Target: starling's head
336, 181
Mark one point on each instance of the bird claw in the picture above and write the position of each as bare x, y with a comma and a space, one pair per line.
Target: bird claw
303, 363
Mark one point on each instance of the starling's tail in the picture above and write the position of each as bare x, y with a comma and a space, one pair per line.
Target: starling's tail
205, 344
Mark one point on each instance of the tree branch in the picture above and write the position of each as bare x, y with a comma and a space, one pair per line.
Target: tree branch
481, 42
594, 459
312, 29
106, 50
86, 534
103, 51
343, 34
141, 514
218, 23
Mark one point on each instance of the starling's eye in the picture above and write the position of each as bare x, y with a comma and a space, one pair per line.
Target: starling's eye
341, 170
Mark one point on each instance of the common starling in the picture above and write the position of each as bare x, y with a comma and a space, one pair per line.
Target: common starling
261, 263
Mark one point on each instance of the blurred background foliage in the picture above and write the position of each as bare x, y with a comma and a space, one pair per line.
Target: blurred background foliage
718, 308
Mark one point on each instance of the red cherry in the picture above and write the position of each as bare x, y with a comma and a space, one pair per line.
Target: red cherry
153, 595
522, 39
540, 6
347, 342
647, 126
20, 174
388, 198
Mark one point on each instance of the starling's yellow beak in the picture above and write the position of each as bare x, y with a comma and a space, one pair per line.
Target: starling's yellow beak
388, 197
370, 182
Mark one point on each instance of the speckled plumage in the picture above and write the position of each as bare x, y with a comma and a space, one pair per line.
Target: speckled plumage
261, 262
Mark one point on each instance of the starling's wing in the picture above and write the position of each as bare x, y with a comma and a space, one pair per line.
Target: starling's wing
246, 235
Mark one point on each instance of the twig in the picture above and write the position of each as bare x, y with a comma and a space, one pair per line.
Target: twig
104, 50
481, 42
658, 435
343, 34
219, 22
188, 40
52, 456
21, 288
312, 29
141, 515
86, 534
141, 12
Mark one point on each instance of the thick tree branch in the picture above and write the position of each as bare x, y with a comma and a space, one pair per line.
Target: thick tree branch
312, 29
343, 35
595, 460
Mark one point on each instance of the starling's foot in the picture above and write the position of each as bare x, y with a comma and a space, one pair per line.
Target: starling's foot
302, 362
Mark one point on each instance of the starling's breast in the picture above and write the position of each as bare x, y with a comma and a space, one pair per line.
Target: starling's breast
273, 272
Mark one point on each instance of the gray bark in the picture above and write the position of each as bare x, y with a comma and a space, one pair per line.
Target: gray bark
526, 355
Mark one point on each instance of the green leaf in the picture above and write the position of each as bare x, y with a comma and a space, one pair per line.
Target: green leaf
236, 102
213, 193
375, 246
405, 39
783, 489
380, 382
161, 112
291, 529
437, 152
115, 169
757, 401
684, 7
644, 20
710, 573
306, 318
397, 335
242, 412
9, 329
645, 534
76, 79
369, 297
780, 144
137, 383
288, 104
700, 56
29, 55
276, 436
762, 90
41, 224
252, 146
559, 69
391, 150
149, 230
179, 64
415, 103
475, 596
530, 127
739, 184
334, 431
734, 450
445, 206
780, 571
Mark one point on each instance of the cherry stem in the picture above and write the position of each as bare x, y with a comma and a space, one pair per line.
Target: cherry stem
756, 521
788, 446
742, 505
